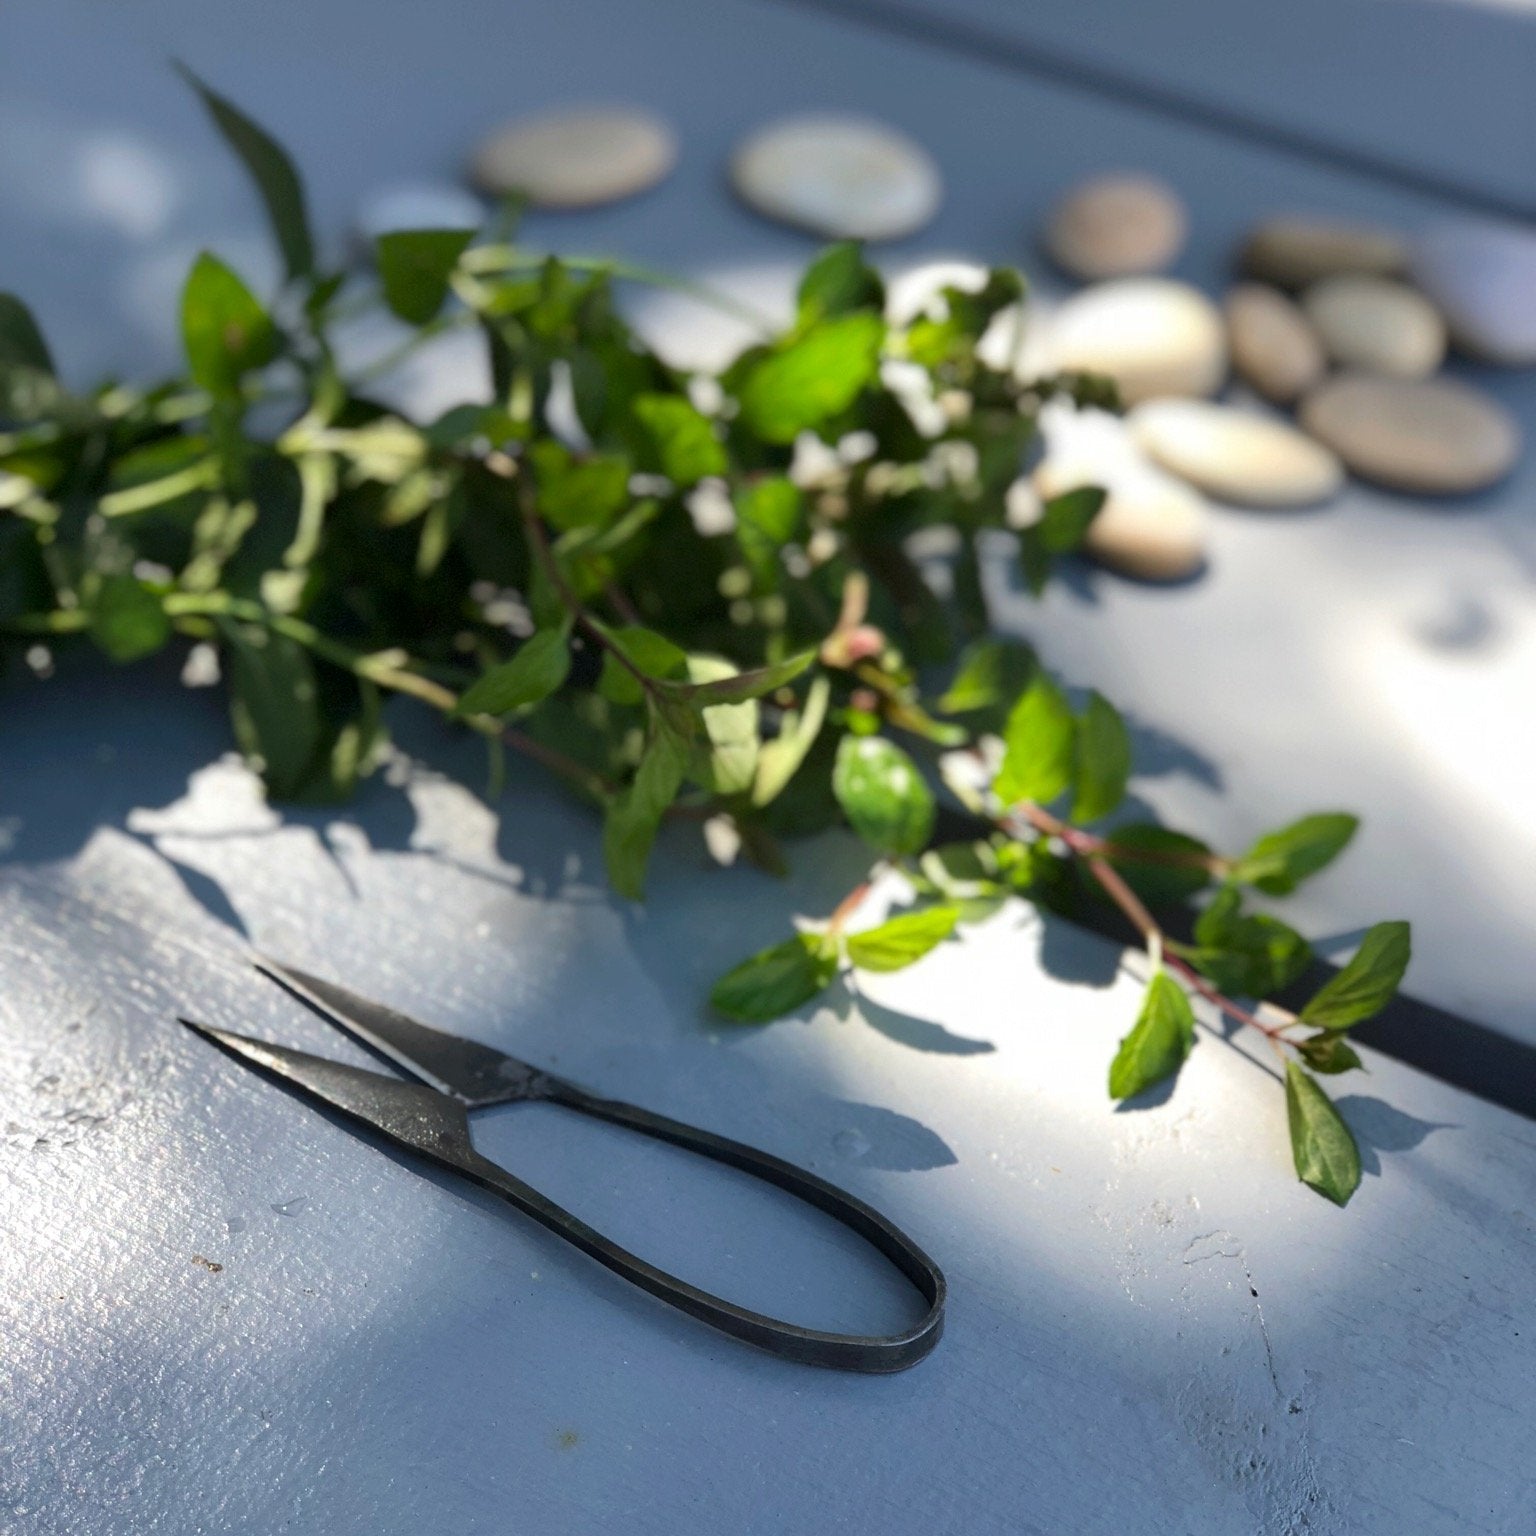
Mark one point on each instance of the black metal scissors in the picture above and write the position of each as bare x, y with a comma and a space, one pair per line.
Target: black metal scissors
431, 1118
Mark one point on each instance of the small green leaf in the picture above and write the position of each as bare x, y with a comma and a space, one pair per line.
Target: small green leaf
270, 168
1247, 954
653, 654
225, 330
274, 706
1037, 745
769, 512
1328, 1053
416, 266
883, 794
1321, 1144
578, 493
540, 666
1102, 760
685, 440
900, 941
1065, 519
838, 282
635, 814
776, 981
1159, 1040
21, 342
1281, 860
127, 620
1162, 866
812, 378
989, 672
1365, 986
725, 761
963, 871
779, 760
737, 687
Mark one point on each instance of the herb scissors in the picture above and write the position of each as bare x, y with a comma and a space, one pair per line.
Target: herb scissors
430, 1117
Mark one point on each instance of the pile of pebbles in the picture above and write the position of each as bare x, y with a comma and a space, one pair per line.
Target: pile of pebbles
1347, 325
1339, 330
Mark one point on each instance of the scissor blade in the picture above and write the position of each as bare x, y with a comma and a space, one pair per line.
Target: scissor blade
471, 1072
411, 1113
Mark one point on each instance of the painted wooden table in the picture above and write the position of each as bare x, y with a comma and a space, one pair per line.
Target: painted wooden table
220, 1312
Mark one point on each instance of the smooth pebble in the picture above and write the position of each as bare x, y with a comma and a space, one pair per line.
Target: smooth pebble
845, 178
1293, 251
577, 157
416, 205
1152, 335
1116, 226
1273, 344
1378, 325
1151, 526
1483, 278
1235, 455
1430, 436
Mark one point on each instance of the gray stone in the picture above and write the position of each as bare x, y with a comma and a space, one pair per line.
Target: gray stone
1377, 324
576, 158
1274, 346
1153, 336
844, 178
1294, 250
1236, 455
1433, 436
1116, 226
1483, 278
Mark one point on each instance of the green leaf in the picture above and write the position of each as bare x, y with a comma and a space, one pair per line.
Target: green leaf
1102, 760
838, 282
1281, 860
1365, 986
416, 266
127, 620
272, 171
1037, 745
540, 666
883, 794
274, 706
1321, 1144
1158, 1042
989, 672
685, 440
739, 686
776, 981
963, 871
225, 330
1065, 519
635, 814
726, 760
21, 342
578, 493
1329, 1053
769, 512
899, 941
779, 760
812, 378
1162, 866
653, 654
1247, 954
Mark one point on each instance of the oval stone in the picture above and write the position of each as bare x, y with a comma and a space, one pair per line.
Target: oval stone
1432, 436
1237, 456
1151, 526
1273, 344
1116, 226
576, 158
1153, 336
1378, 325
1294, 250
1483, 278
844, 178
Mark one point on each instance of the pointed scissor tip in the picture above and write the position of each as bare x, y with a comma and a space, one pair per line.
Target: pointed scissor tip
208, 1032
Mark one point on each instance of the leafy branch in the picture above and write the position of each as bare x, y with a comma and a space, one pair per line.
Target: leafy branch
693, 597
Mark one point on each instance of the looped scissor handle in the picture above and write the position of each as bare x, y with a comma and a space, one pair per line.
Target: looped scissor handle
809, 1346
